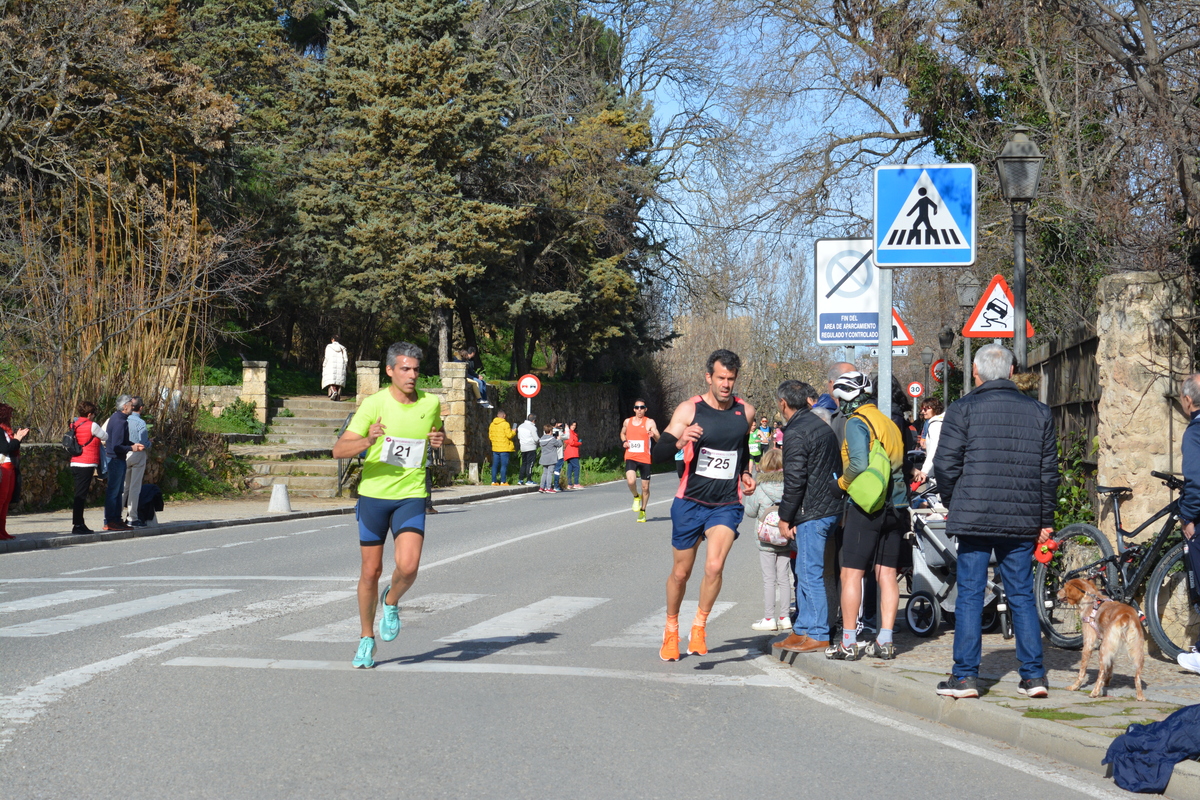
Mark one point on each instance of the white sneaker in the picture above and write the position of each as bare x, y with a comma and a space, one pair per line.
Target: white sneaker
785, 624
1189, 661
768, 624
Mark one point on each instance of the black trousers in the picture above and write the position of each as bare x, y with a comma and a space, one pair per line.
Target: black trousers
527, 458
83, 484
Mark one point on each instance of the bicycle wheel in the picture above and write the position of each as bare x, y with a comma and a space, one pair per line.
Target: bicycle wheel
1081, 549
1173, 617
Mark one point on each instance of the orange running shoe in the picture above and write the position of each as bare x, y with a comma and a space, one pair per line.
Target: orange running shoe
670, 646
696, 644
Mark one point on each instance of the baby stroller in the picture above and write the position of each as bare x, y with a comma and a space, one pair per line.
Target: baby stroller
932, 588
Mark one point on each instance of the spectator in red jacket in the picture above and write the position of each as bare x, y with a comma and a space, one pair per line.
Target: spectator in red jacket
571, 454
83, 467
10, 452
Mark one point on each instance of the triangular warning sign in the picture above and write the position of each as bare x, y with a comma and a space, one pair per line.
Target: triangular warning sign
900, 333
924, 222
995, 314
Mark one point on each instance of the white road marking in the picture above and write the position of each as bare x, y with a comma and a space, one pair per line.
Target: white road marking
103, 614
649, 631
297, 533
347, 630
477, 668
270, 538
22, 707
236, 544
801, 685
81, 571
522, 622
144, 560
237, 617
47, 600
188, 579
201, 550
523, 537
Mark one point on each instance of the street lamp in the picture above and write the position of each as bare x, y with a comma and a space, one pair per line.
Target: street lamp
967, 287
1019, 168
945, 341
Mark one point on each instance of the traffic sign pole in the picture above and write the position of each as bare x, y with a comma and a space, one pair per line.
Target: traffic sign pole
883, 392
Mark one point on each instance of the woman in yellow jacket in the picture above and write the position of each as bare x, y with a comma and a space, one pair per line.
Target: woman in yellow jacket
502, 446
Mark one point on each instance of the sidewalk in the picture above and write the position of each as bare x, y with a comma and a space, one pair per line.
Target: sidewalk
53, 528
1068, 726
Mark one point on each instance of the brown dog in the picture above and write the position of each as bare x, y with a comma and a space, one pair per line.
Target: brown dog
1106, 623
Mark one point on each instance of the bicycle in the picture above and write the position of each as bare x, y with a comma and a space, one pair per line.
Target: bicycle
1172, 612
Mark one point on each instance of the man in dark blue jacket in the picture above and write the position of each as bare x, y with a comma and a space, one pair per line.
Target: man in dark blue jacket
1189, 496
997, 468
116, 449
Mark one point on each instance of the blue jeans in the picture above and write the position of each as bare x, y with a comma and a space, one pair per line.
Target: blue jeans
500, 467
1014, 562
572, 469
812, 607
113, 495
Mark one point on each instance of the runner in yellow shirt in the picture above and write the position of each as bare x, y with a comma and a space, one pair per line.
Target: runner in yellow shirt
394, 427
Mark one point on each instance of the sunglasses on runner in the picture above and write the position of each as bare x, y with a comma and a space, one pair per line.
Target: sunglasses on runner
639, 408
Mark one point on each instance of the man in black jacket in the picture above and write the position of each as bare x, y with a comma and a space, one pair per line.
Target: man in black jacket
997, 468
808, 510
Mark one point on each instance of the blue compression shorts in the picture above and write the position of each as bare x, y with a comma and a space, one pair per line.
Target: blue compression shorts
376, 517
689, 521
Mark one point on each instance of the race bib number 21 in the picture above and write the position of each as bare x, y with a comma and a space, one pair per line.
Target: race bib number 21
719, 465
404, 453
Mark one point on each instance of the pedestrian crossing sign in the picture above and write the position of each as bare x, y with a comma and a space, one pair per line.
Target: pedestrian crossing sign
924, 215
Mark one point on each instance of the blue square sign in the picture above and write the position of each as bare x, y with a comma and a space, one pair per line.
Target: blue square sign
924, 215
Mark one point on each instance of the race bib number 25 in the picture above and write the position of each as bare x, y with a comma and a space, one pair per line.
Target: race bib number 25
405, 453
716, 464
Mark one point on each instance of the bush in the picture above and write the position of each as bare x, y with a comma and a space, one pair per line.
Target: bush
238, 417
1074, 495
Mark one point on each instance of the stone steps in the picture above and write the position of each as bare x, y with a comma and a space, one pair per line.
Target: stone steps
309, 466
298, 451
322, 440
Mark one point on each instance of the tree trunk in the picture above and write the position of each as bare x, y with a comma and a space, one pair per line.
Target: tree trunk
463, 309
441, 327
519, 364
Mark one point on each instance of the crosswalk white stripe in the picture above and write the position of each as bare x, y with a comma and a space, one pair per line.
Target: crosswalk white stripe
649, 631
348, 630
522, 622
237, 617
102, 614
47, 600
26, 704
478, 668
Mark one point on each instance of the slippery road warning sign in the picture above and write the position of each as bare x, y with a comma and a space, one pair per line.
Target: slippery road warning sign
924, 215
994, 316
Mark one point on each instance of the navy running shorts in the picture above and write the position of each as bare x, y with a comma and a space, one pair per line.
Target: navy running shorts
689, 521
376, 517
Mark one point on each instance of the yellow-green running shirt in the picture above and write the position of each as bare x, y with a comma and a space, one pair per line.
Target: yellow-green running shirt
394, 467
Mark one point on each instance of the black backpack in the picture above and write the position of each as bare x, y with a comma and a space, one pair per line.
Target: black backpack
70, 442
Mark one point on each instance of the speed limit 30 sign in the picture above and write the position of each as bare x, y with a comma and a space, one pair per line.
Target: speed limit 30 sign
915, 389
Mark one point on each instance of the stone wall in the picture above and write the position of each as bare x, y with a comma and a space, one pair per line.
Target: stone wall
46, 477
595, 406
216, 397
1143, 351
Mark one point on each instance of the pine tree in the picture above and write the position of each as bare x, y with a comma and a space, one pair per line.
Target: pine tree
410, 108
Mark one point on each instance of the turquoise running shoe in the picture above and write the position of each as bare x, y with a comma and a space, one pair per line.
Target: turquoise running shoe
365, 657
389, 626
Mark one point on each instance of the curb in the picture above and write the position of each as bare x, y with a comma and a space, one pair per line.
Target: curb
1074, 746
68, 539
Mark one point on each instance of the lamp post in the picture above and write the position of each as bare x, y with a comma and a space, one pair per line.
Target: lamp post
967, 287
946, 341
1019, 168
927, 360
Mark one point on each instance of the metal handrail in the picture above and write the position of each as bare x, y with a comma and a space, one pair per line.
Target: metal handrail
344, 464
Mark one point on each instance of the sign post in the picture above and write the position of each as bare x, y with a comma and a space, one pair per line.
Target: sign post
528, 387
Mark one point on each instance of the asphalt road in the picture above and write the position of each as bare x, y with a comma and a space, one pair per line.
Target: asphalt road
217, 664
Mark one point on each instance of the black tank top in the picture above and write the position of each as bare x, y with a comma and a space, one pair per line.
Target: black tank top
710, 475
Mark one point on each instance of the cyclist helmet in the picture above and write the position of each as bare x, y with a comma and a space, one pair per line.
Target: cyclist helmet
852, 385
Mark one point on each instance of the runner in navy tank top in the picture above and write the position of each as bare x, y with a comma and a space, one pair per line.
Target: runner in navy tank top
712, 431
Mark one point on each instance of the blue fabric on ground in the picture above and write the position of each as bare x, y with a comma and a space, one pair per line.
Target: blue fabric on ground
1144, 757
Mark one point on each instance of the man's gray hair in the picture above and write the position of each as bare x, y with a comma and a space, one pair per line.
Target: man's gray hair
839, 369
994, 362
796, 394
403, 350
122, 400
532, 418
1191, 388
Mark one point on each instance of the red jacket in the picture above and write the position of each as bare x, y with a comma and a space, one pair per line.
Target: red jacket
91, 444
571, 446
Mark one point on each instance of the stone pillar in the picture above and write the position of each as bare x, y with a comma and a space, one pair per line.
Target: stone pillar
454, 414
254, 387
1143, 351
168, 373
368, 380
